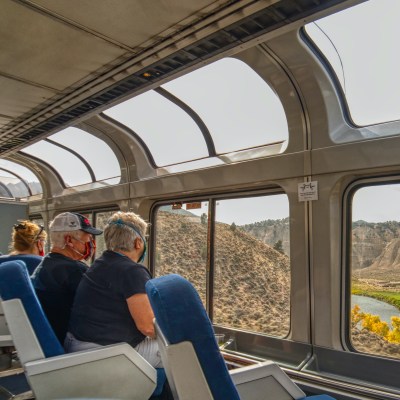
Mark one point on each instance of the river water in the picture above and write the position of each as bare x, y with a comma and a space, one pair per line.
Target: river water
375, 307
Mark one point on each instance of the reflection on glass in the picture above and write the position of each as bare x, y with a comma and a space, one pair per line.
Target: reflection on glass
252, 264
24, 173
101, 221
375, 270
238, 107
161, 125
181, 243
367, 65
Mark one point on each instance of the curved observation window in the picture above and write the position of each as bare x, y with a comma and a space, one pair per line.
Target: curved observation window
170, 133
78, 157
360, 43
19, 179
97, 153
239, 108
222, 108
9, 186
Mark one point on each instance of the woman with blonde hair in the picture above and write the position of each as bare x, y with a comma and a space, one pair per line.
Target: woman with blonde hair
28, 241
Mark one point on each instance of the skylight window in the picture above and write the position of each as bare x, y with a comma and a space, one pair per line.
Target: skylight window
78, 157
20, 177
170, 133
360, 43
239, 108
221, 108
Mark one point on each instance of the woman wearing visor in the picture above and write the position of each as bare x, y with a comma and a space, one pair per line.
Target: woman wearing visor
111, 304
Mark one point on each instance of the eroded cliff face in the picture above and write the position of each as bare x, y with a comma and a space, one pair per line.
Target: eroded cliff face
270, 232
371, 240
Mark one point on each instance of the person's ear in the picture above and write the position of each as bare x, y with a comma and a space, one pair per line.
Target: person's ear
68, 240
137, 243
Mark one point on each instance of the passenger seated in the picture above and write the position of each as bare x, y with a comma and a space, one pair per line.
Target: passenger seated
28, 241
56, 278
111, 304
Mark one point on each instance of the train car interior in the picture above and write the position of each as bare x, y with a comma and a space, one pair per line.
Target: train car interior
259, 138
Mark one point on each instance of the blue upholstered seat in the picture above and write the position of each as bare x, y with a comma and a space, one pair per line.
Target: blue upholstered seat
16, 284
181, 317
31, 260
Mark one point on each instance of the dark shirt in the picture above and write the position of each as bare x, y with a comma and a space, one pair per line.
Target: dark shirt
100, 313
55, 281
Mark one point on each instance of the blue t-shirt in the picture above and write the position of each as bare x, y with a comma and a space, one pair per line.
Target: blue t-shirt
55, 281
100, 313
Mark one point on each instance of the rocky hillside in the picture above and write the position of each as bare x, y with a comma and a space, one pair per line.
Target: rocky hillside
271, 231
369, 241
252, 281
252, 284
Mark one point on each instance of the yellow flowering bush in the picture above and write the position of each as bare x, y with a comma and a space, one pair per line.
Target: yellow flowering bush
374, 324
394, 335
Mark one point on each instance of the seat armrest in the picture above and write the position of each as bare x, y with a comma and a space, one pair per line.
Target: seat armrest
88, 356
267, 378
6, 341
97, 373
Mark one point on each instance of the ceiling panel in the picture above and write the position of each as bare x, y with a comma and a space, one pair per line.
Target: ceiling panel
38, 48
132, 22
18, 98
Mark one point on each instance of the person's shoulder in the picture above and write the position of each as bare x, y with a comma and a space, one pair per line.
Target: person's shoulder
59, 260
139, 270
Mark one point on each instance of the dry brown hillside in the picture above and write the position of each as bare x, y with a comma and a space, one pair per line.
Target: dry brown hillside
252, 280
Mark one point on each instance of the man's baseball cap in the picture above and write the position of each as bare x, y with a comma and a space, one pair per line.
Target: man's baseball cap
70, 221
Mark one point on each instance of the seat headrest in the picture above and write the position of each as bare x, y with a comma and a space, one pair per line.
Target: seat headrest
31, 260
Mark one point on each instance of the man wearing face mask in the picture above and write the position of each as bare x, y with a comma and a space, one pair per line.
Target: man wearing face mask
57, 277
111, 304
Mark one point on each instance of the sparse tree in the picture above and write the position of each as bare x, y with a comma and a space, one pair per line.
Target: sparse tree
203, 219
278, 246
233, 227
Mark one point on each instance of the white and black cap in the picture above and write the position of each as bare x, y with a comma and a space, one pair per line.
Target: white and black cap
70, 221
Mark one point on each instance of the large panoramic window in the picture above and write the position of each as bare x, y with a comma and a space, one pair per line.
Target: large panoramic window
180, 231
375, 270
78, 157
219, 109
252, 264
247, 258
360, 44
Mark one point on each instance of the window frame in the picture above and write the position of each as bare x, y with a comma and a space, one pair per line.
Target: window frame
345, 307
212, 199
